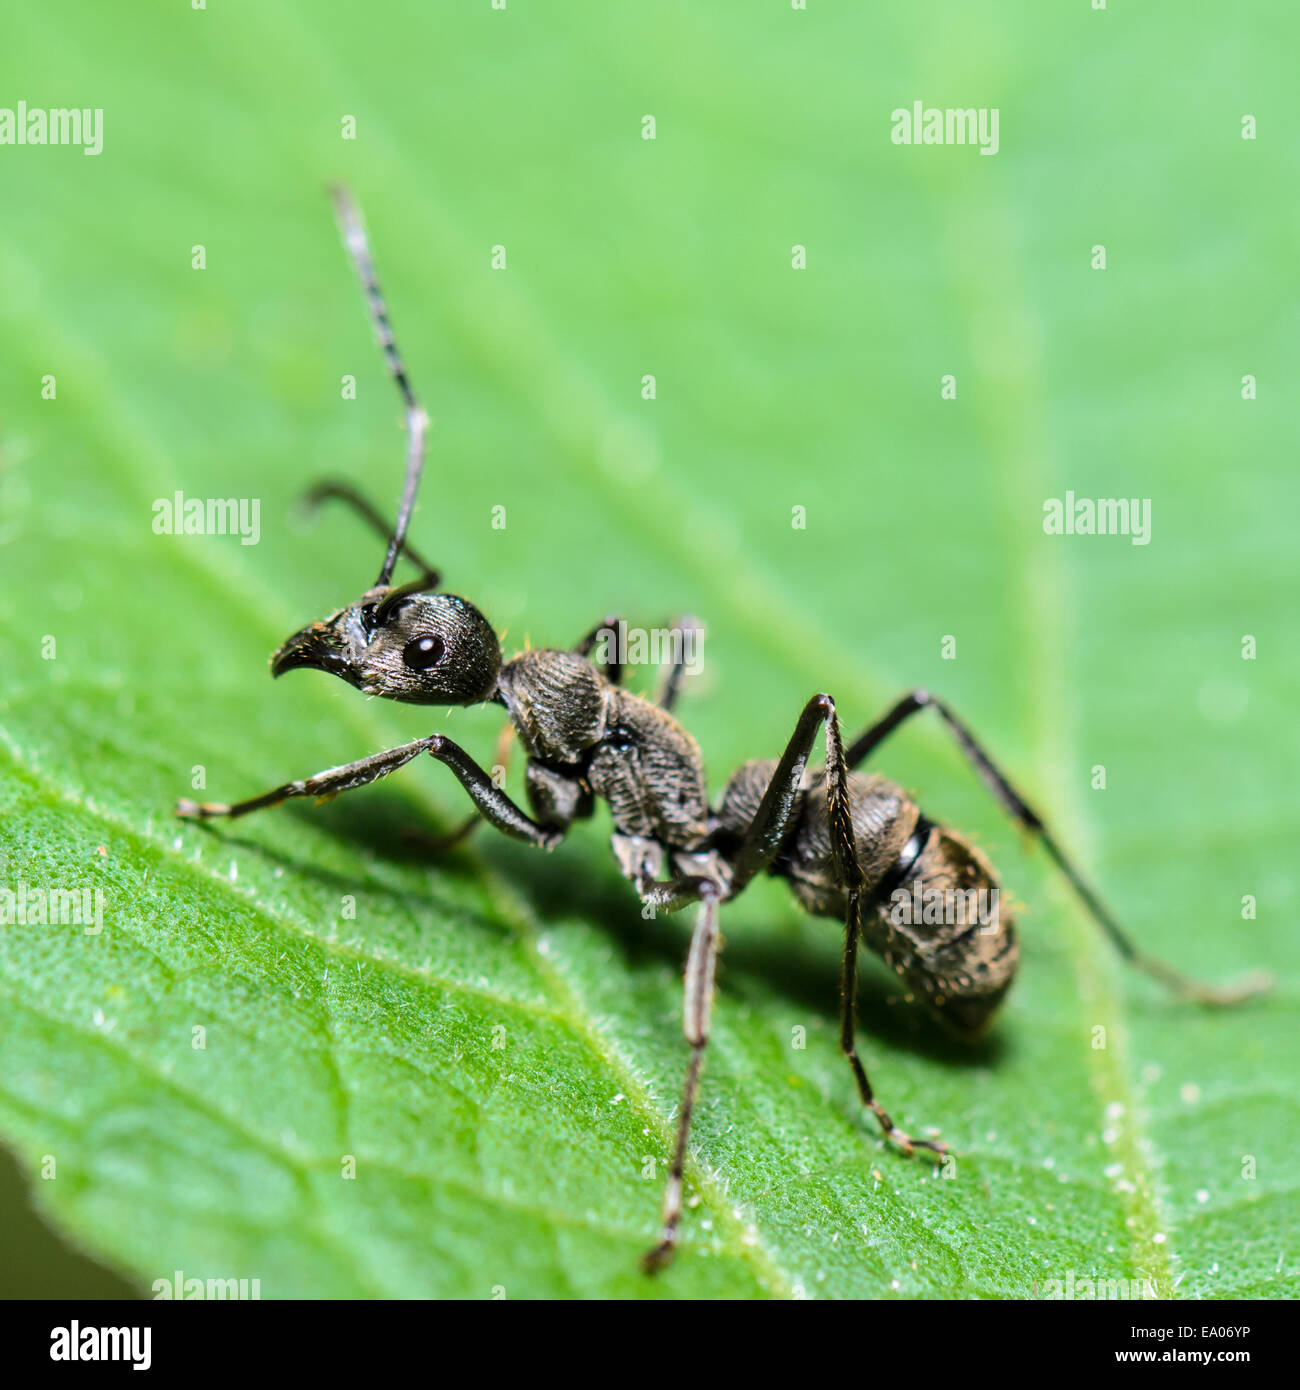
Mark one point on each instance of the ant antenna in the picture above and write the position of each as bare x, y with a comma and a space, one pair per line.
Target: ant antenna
417, 420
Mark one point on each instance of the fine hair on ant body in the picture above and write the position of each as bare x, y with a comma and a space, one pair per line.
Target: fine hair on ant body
850, 845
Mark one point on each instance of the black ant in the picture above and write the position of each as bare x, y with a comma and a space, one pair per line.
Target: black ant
852, 846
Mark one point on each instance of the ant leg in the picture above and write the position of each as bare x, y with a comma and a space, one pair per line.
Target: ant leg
321, 785
671, 684
672, 894
641, 860
440, 844
781, 801
696, 1010
613, 666
333, 490
493, 804
1024, 815
776, 812
607, 624
839, 813
771, 823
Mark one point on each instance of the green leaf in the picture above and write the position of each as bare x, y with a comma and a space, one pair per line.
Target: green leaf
491, 1038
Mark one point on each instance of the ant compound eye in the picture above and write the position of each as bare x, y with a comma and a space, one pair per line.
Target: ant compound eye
422, 652
437, 650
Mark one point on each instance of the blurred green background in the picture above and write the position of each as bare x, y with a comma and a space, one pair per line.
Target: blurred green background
523, 1168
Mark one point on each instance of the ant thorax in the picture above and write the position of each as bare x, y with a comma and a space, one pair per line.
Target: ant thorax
631, 753
557, 703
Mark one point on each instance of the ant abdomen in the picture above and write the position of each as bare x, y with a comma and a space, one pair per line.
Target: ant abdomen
932, 907
948, 933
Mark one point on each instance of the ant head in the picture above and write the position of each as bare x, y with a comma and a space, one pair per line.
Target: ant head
423, 649
407, 642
